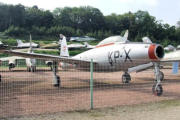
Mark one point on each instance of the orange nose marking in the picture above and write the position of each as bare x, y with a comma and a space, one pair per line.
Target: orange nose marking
151, 52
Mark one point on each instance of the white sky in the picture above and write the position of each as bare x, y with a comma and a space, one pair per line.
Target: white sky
166, 10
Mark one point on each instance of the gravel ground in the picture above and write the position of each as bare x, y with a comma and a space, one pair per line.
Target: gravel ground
32, 94
164, 110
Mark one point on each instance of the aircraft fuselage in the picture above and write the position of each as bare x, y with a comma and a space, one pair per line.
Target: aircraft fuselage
121, 56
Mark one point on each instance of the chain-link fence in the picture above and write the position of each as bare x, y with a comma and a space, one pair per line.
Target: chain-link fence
25, 91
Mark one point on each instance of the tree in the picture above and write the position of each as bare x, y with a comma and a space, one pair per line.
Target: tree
38, 17
84, 18
11, 15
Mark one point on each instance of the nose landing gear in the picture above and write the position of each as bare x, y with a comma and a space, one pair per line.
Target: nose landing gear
126, 78
157, 88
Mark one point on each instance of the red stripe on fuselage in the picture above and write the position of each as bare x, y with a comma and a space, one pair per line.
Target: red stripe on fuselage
104, 45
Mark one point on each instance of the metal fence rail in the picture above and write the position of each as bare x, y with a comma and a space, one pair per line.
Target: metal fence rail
31, 93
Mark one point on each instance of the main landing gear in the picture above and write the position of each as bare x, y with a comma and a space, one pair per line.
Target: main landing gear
11, 65
31, 68
126, 78
57, 80
157, 88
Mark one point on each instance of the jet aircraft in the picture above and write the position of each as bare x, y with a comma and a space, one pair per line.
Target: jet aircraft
20, 44
30, 63
83, 38
118, 56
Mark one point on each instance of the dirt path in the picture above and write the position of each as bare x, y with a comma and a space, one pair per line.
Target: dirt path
164, 110
27, 94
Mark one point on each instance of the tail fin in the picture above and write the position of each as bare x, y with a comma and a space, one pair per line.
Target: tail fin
19, 42
64, 48
126, 35
30, 47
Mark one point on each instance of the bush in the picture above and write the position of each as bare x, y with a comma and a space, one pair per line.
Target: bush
39, 31
56, 30
10, 42
15, 31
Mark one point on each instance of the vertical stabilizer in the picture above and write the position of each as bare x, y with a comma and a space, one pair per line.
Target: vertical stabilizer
19, 42
126, 35
30, 47
64, 48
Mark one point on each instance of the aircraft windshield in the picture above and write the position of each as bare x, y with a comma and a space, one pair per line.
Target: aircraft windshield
112, 39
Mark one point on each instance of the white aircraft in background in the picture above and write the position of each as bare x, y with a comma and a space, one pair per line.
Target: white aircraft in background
2, 45
20, 44
173, 54
118, 56
170, 48
178, 47
76, 46
83, 38
12, 61
30, 63
79, 46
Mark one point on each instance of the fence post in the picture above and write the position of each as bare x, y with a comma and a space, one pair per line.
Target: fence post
91, 83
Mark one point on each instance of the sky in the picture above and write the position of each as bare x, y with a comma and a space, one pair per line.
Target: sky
167, 11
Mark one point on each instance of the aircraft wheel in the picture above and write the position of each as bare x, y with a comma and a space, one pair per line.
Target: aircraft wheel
161, 76
157, 91
0, 78
58, 84
126, 78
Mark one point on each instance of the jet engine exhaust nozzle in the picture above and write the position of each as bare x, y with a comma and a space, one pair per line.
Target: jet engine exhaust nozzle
156, 52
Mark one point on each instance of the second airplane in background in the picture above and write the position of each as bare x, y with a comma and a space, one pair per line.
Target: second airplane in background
30, 63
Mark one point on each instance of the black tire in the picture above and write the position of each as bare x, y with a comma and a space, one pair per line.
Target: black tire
158, 91
126, 78
0, 78
161, 74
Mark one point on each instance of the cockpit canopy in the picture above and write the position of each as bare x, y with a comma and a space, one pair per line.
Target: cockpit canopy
113, 39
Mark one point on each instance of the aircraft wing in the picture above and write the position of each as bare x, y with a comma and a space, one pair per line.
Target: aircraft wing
172, 57
11, 58
170, 60
48, 57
